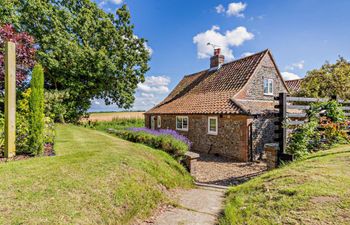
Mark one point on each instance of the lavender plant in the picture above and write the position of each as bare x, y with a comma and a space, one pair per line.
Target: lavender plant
170, 132
167, 140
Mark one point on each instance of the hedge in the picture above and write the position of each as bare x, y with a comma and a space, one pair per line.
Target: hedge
166, 142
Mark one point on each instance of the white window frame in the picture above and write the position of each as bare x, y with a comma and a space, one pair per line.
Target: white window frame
182, 124
269, 83
159, 121
217, 125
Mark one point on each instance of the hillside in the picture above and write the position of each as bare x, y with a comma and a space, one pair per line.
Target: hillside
95, 178
312, 191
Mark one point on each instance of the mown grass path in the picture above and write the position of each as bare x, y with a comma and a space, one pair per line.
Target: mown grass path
94, 179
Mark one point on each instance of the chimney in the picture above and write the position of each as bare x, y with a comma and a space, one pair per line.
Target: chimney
217, 60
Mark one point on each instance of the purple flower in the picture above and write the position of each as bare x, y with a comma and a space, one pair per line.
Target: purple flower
172, 133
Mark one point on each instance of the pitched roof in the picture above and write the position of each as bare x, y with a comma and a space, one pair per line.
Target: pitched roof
211, 91
294, 85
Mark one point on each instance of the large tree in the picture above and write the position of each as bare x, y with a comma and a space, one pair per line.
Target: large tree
84, 50
331, 80
25, 54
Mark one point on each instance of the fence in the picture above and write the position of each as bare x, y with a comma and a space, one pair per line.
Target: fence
291, 113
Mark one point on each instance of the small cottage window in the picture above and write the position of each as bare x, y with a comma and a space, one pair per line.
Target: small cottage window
182, 123
268, 86
213, 125
159, 122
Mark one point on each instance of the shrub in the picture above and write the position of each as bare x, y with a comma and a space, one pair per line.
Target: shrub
172, 133
54, 105
22, 126
173, 145
36, 114
314, 136
22, 123
116, 123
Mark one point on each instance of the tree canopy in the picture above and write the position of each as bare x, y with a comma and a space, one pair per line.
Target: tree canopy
329, 81
25, 53
83, 49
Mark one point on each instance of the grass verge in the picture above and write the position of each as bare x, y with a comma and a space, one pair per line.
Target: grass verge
94, 179
312, 191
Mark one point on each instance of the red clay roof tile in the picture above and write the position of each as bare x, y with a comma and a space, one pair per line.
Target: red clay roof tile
210, 92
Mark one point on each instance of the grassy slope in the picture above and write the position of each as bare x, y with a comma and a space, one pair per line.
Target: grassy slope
95, 178
313, 191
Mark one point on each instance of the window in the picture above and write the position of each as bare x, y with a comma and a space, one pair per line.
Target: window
213, 125
159, 122
182, 123
268, 86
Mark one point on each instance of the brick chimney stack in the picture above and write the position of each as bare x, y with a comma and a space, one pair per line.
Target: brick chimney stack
217, 59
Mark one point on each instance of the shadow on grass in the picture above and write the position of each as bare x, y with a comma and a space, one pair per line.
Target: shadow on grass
327, 154
237, 180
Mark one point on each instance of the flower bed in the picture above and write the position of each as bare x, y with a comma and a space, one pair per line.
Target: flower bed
167, 140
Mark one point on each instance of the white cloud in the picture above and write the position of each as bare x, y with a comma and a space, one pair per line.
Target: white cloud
236, 9
297, 65
290, 76
220, 9
235, 37
151, 92
245, 54
148, 94
233, 9
149, 49
104, 2
117, 2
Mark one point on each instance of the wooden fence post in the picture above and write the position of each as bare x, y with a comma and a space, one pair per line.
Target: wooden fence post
10, 99
283, 117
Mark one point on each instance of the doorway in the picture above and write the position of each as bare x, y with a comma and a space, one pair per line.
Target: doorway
153, 122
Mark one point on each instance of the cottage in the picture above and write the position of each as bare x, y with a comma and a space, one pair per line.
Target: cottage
294, 86
226, 109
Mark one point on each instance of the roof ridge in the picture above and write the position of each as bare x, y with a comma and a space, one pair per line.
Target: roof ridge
258, 53
196, 73
233, 61
295, 79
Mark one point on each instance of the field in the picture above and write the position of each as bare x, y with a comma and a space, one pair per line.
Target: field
312, 191
96, 178
109, 116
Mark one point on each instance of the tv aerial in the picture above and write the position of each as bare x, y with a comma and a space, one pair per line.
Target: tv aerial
214, 46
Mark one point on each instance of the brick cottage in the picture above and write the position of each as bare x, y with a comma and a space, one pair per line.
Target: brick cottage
226, 109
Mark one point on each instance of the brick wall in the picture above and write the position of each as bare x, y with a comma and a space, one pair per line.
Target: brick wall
231, 140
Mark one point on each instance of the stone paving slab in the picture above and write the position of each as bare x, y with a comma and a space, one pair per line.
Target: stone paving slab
196, 206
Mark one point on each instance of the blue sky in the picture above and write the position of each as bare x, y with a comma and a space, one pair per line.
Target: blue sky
302, 35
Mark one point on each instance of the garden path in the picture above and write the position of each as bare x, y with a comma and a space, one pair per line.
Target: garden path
218, 170
201, 205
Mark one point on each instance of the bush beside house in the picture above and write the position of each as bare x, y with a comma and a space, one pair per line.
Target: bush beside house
167, 140
325, 128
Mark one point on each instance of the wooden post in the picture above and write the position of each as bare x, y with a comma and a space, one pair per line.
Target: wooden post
283, 116
10, 99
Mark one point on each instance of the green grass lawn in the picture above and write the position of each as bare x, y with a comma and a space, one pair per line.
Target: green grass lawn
95, 178
312, 191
